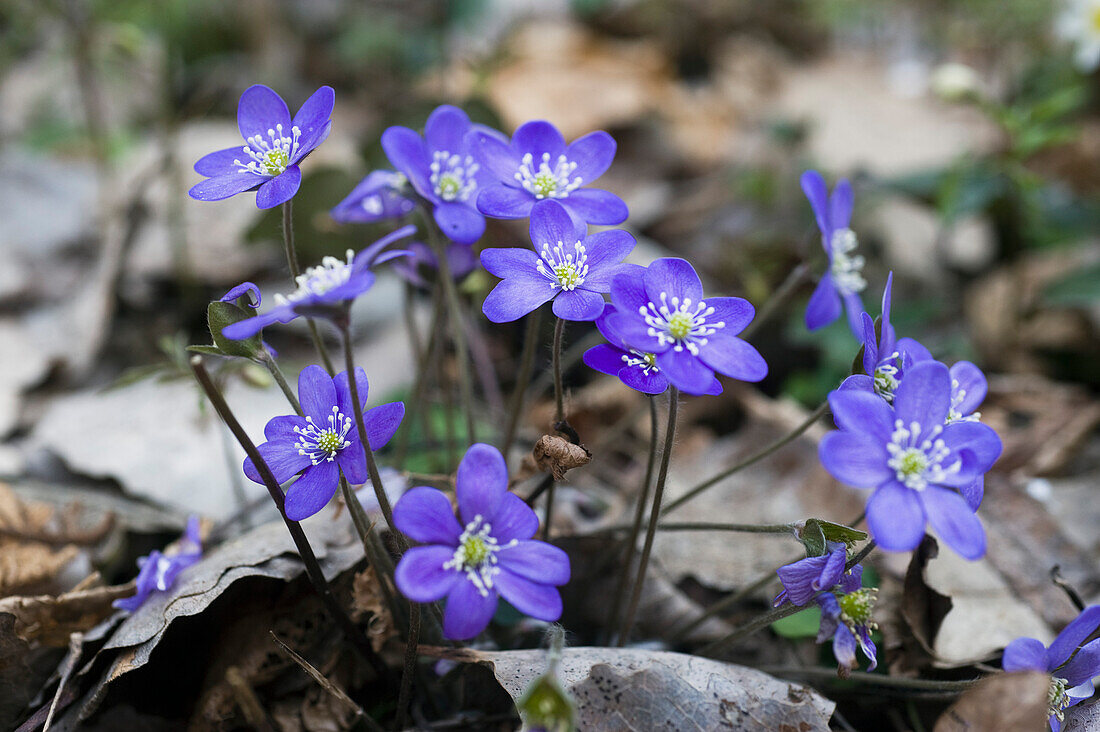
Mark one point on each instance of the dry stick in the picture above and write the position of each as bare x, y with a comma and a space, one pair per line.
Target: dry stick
654, 515
778, 529
639, 514
751, 460
295, 271
892, 682
527, 363
766, 619
305, 551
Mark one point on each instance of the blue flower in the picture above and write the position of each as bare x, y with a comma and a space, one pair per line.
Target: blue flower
157, 572
489, 555
637, 370
846, 619
461, 261
839, 288
806, 577
268, 163
324, 442
1071, 679
537, 165
379, 196
913, 460
661, 310
331, 284
443, 169
566, 266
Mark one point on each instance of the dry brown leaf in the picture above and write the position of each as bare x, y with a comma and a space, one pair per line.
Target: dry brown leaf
49, 620
367, 599
1003, 703
557, 456
27, 565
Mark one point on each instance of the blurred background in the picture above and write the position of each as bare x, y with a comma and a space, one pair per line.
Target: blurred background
969, 128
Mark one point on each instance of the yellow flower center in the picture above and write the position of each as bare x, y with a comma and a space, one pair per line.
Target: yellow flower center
680, 324
856, 607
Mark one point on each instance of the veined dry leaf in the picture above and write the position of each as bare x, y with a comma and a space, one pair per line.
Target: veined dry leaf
1003, 703
49, 620
25, 563
628, 689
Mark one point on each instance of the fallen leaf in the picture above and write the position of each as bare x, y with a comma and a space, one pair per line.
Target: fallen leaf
1001, 703
28, 564
49, 620
922, 610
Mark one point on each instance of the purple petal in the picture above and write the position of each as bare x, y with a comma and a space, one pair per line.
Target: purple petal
406, 152
924, 395
536, 561
606, 250
515, 297
594, 206
481, 482
550, 224
654, 382
225, 186
459, 222
260, 110
221, 162
446, 129
313, 120
853, 306
282, 428
513, 262
424, 514
343, 391
1084, 666
673, 277
605, 358
240, 290
954, 522
824, 306
971, 382
578, 305
862, 412
420, 575
855, 458
913, 349
282, 459
735, 312
375, 198
494, 154
978, 438
840, 205
312, 492
868, 646
353, 461
628, 293
895, 517
973, 492
279, 189
251, 326
382, 423
317, 394
468, 612
859, 382
813, 185
844, 647
1025, 654
1072, 636
538, 137
593, 154
372, 253
871, 356
729, 355
514, 519
530, 598
685, 372
799, 577
505, 202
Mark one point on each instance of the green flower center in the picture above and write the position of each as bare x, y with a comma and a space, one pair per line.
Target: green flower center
680, 325
1057, 699
912, 462
886, 381
545, 184
567, 275
856, 607
475, 555
449, 187
329, 441
474, 550
275, 161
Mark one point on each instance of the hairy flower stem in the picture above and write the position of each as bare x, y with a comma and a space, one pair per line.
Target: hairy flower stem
654, 516
778, 298
305, 551
458, 329
295, 270
523, 378
639, 514
411, 644
372, 466
559, 397
766, 619
277, 374
569, 359
752, 459
777, 529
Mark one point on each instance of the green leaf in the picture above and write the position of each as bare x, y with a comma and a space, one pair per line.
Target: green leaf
208, 350
803, 624
219, 315
840, 532
546, 705
813, 538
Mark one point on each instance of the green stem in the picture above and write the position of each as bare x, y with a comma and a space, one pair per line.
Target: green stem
305, 551
639, 515
527, 363
752, 459
295, 271
654, 516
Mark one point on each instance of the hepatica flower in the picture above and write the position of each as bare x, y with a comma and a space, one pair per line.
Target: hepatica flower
634, 368
157, 572
324, 442
806, 577
1071, 679
913, 460
443, 170
330, 284
846, 619
379, 196
274, 145
566, 266
1079, 23
489, 554
537, 165
840, 286
461, 261
661, 310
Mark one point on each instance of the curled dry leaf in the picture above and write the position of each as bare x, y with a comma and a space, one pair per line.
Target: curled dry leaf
922, 610
49, 620
634, 689
29, 560
558, 456
999, 704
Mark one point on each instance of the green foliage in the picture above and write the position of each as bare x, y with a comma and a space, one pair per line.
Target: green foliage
803, 624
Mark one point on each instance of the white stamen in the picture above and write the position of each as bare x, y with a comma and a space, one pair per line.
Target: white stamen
958, 395
846, 269
675, 322
566, 270
452, 176
918, 461
647, 361
322, 445
476, 555
318, 280
270, 157
547, 181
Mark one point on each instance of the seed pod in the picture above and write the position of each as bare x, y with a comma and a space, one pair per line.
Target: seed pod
556, 455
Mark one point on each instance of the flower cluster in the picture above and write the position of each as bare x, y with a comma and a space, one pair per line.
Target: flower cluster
158, 571
489, 555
